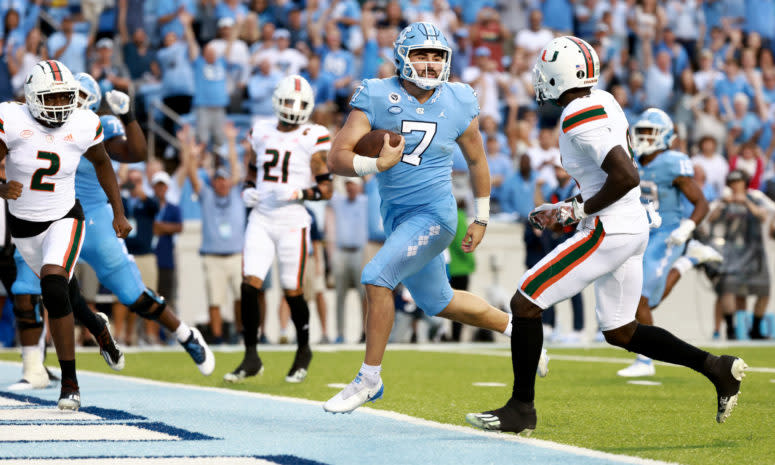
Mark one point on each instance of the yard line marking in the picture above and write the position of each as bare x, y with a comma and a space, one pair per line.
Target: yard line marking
643, 382
488, 384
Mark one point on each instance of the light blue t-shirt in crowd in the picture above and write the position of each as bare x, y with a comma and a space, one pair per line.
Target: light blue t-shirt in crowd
177, 73
165, 7
223, 221
351, 220
210, 83
74, 56
260, 88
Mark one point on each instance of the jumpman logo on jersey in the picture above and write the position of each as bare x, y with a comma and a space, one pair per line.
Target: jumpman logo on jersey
442, 115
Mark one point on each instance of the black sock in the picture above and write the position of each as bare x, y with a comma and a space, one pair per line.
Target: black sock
250, 317
300, 317
659, 344
527, 337
68, 370
729, 320
757, 325
81, 310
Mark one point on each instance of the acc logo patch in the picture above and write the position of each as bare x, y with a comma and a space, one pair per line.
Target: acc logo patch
26, 134
395, 110
394, 97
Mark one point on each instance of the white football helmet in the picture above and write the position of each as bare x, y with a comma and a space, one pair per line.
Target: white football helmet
565, 63
293, 100
50, 77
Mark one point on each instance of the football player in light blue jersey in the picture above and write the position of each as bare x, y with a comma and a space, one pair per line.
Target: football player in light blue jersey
103, 251
665, 175
414, 179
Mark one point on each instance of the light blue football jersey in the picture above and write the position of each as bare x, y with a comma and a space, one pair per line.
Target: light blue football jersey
87, 186
656, 185
431, 129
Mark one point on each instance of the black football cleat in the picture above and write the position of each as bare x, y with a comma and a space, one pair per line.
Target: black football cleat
251, 366
514, 417
726, 373
301, 361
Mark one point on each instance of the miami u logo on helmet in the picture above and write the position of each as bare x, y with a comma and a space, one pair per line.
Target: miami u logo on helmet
554, 57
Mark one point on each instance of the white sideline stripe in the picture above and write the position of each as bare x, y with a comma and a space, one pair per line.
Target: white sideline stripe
643, 382
6, 402
38, 414
145, 461
102, 432
488, 384
399, 417
336, 385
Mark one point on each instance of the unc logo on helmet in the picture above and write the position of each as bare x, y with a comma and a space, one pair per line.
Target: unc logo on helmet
50, 92
421, 36
91, 90
565, 63
652, 132
293, 100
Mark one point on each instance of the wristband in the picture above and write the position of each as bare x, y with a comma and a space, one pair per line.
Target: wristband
364, 165
480, 223
129, 116
248, 185
323, 177
252, 166
482, 209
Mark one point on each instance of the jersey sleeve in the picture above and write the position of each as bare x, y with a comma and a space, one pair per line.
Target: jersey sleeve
320, 139
468, 104
90, 129
681, 165
112, 127
595, 142
362, 100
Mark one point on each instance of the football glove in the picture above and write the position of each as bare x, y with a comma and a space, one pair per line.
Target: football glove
250, 197
118, 102
571, 213
682, 233
532, 218
655, 219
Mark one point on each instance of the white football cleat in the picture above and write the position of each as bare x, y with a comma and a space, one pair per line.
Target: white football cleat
110, 351
198, 349
543, 364
357, 393
34, 375
639, 367
699, 253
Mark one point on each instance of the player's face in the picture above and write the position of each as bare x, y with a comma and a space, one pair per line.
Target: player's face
428, 63
58, 99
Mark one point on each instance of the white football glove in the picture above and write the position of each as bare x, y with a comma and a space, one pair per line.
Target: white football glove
250, 197
571, 212
682, 233
655, 219
118, 102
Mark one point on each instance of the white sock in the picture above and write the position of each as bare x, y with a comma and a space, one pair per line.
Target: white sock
370, 371
183, 332
682, 265
30, 352
507, 331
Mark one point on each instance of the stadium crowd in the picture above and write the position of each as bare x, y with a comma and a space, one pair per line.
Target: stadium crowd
200, 71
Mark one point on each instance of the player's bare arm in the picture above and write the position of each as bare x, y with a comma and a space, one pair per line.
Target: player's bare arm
341, 159
471, 144
689, 187
190, 157
99, 158
324, 187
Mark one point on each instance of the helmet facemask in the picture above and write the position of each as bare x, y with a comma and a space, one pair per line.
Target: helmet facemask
293, 111
55, 114
648, 137
409, 69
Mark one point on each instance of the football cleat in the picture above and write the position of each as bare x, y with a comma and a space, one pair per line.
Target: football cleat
543, 364
110, 351
34, 375
198, 349
298, 371
640, 367
726, 373
69, 396
357, 393
699, 253
250, 366
514, 417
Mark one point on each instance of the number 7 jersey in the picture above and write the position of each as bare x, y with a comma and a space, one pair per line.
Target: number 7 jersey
283, 162
44, 160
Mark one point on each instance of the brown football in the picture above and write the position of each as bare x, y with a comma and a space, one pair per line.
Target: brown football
371, 143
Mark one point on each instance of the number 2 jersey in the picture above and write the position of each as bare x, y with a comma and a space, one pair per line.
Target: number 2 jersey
283, 163
591, 127
431, 130
656, 185
44, 160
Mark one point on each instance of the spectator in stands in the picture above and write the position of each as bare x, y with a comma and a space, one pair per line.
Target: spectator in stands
378, 46
166, 226
394, 16
237, 56
586, 18
69, 46
139, 57
141, 210
210, 95
223, 227
260, 88
687, 98
750, 162
464, 52
534, 39
315, 277
708, 122
706, 77
483, 77
24, 59
441, 15
659, 76
489, 32
686, 20
285, 60
732, 82
106, 72
759, 16
234, 9
620, 95
500, 168
743, 125
339, 62
177, 82
170, 16
636, 93
678, 55
322, 83
519, 189
544, 155
17, 24
713, 164
558, 15
347, 228
517, 84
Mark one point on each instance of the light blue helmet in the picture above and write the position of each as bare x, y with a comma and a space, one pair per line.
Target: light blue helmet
652, 132
418, 36
89, 87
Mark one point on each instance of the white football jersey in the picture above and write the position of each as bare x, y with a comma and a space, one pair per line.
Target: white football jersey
591, 127
283, 162
44, 159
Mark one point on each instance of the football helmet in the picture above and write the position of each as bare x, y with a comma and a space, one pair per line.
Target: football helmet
652, 132
565, 63
92, 90
293, 100
49, 78
419, 36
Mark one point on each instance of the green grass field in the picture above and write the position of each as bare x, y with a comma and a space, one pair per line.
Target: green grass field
582, 403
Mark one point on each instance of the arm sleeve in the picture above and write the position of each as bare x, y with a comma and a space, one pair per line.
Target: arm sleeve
362, 101
596, 143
